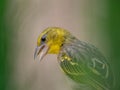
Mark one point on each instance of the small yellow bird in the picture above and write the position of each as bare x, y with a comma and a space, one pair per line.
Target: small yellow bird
80, 61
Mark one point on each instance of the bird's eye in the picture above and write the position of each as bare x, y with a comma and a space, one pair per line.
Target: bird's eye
43, 39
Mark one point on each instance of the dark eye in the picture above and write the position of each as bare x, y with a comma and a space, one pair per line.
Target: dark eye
43, 39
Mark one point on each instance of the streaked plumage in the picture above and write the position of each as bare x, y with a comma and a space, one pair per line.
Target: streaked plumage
80, 61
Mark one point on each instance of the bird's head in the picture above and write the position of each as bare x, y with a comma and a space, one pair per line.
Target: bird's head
50, 41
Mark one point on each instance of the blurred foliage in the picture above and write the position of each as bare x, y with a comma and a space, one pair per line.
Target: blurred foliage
3, 44
114, 35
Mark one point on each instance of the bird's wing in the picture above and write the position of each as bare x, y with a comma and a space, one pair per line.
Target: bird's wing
85, 64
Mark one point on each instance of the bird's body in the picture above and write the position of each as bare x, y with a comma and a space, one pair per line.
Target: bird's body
80, 61
83, 63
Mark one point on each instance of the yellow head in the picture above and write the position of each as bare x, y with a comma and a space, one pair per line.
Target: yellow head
50, 41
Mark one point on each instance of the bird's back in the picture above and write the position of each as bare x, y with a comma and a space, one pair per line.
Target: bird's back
85, 65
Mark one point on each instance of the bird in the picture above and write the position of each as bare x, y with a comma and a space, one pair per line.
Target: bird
81, 61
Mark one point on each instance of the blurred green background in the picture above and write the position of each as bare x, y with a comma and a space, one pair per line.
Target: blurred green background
21, 21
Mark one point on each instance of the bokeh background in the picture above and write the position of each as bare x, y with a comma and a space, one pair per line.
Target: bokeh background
21, 21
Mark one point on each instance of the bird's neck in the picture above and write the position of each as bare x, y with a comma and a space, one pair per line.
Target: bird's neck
71, 40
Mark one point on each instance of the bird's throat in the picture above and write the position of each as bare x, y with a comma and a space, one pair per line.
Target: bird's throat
54, 49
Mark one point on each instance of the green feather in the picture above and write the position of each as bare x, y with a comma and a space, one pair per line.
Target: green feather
85, 65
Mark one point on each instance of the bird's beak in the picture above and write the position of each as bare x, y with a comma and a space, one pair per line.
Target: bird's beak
41, 51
